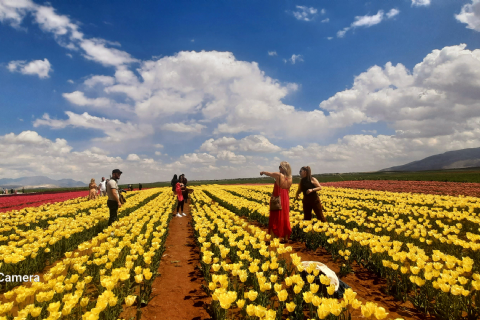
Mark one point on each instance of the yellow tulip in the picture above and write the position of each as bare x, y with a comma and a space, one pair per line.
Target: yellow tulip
251, 310
314, 287
147, 274
445, 287
476, 285
297, 289
53, 307
129, 300
331, 289
252, 295
84, 301
356, 304
316, 301
291, 306
307, 297
139, 278
380, 313
323, 311
282, 295
310, 278
240, 303
368, 309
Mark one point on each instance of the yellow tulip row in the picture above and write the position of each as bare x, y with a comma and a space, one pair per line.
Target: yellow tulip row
30, 255
413, 231
405, 265
102, 273
415, 208
389, 203
241, 268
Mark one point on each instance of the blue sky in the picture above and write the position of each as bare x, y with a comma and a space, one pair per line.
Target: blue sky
229, 88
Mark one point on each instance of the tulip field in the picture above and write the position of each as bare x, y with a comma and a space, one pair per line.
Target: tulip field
101, 266
425, 247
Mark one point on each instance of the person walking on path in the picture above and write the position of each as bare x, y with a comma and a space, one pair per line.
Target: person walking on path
174, 184
178, 189
102, 187
184, 181
113, 202
93, 190
311, 201
279, 219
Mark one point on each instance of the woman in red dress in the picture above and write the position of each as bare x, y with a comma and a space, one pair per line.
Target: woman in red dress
279, 220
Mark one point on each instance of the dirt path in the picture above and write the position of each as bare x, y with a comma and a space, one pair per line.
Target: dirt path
177, 292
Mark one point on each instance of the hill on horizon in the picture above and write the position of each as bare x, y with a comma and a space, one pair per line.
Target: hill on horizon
40, 182
464, 158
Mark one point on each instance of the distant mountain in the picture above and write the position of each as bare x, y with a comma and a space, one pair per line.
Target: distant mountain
464, 158
40, 182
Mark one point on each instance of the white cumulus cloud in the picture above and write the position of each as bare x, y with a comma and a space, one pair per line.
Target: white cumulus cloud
470, 15
114, 130
231, 157
78, 98
41, 68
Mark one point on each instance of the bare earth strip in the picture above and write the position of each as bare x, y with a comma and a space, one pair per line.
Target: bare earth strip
177, 292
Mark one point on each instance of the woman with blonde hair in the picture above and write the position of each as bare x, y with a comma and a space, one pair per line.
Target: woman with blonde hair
93, 189
279, 219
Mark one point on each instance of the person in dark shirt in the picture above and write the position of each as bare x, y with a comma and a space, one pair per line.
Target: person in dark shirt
184, 181
174, 184
311, 201
139, 186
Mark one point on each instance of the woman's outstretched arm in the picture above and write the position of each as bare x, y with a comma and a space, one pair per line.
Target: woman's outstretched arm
275, 175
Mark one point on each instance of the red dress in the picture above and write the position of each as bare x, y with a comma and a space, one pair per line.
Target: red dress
279, 220
178, 189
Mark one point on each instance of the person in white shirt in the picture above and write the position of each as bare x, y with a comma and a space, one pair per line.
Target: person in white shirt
102, 187
113, 202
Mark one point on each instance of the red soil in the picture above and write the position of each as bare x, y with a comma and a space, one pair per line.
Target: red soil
177, 291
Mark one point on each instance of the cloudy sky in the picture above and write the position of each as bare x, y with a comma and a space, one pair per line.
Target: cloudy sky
227, 88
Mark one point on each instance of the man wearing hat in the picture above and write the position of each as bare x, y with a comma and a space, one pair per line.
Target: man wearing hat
113, 201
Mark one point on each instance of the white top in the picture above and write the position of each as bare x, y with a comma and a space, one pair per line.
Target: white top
103, 185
